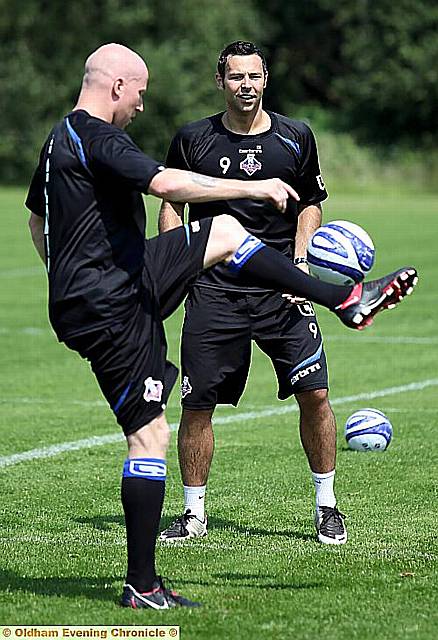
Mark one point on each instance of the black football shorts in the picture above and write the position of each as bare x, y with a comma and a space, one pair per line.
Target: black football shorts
129, 358
216, 345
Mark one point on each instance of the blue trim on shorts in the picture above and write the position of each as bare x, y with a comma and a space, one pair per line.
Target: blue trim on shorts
310, 360
147, 468
122, 398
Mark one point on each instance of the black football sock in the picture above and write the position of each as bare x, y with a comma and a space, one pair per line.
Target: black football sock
142, 499
269, 268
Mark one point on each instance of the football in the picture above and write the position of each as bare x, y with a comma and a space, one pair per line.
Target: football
340, 252
368, 430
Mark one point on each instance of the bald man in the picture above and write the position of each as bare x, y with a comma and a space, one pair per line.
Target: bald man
109, 289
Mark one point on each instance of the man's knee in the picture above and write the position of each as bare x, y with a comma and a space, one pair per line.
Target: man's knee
229, 233
150, 440
313, 400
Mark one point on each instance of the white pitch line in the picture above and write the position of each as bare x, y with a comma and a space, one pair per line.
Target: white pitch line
96, 441
44, 401
27, 331
21, 272
390, 340
384, 339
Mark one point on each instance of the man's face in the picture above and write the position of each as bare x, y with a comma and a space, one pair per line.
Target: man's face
130, 99
243, 83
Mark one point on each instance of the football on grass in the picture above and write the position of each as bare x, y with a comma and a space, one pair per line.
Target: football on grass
368, 430
340, 252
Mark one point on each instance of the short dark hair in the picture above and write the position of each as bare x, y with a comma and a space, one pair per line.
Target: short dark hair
239, 48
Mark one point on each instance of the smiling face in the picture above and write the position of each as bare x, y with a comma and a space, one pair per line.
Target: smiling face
243, 83
129, 96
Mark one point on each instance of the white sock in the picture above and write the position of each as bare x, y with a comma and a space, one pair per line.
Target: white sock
194, 499
325, 496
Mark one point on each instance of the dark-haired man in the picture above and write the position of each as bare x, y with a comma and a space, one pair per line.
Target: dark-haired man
224, 314
109, 290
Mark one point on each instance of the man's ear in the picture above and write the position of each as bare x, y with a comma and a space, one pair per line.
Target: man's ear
219, 81
118, 87
266, 80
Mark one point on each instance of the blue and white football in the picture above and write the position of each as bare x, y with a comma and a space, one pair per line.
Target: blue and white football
368, 430
340, 252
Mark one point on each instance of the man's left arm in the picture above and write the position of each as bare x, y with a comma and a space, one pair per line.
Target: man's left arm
309, 219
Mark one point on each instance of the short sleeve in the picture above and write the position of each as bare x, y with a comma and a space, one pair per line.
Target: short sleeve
35, 200
177, 156
116, 155
310, 184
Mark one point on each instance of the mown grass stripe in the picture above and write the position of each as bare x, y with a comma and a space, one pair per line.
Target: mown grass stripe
96, 441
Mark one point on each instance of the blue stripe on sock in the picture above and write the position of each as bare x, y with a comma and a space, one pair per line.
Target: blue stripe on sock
148, 468
247, 249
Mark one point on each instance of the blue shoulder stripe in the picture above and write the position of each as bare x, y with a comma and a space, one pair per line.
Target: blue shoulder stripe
78, 142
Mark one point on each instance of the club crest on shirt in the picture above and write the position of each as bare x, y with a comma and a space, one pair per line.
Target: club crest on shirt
153, 390
250, 165
186, 387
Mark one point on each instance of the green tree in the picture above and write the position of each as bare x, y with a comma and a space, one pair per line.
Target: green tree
43, 45
389, 88
370, 62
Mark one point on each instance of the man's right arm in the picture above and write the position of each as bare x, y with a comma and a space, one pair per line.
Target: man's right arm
175, 185
36, 226
171, 216
124, 159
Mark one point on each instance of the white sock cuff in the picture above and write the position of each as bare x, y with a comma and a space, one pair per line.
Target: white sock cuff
195, 490
323, 476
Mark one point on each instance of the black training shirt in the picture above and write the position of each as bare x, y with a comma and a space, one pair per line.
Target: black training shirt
287, 151
88, 187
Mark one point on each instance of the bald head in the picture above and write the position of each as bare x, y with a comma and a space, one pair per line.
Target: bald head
112, 61
114, 81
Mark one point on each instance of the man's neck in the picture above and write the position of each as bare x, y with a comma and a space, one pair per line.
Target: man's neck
93, 107
246, 123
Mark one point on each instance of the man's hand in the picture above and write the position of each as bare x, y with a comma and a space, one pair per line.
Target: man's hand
275, 191
295, 299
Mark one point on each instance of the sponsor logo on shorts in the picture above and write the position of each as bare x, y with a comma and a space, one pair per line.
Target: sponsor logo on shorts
195, 226
186, 387
305, 372
306, 309
153, 390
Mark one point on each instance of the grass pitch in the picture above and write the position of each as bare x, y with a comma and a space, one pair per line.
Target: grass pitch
259, 573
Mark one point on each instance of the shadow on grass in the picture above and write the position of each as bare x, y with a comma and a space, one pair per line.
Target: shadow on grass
102, 588
102, 523
220, 524
94, 588
262, 582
